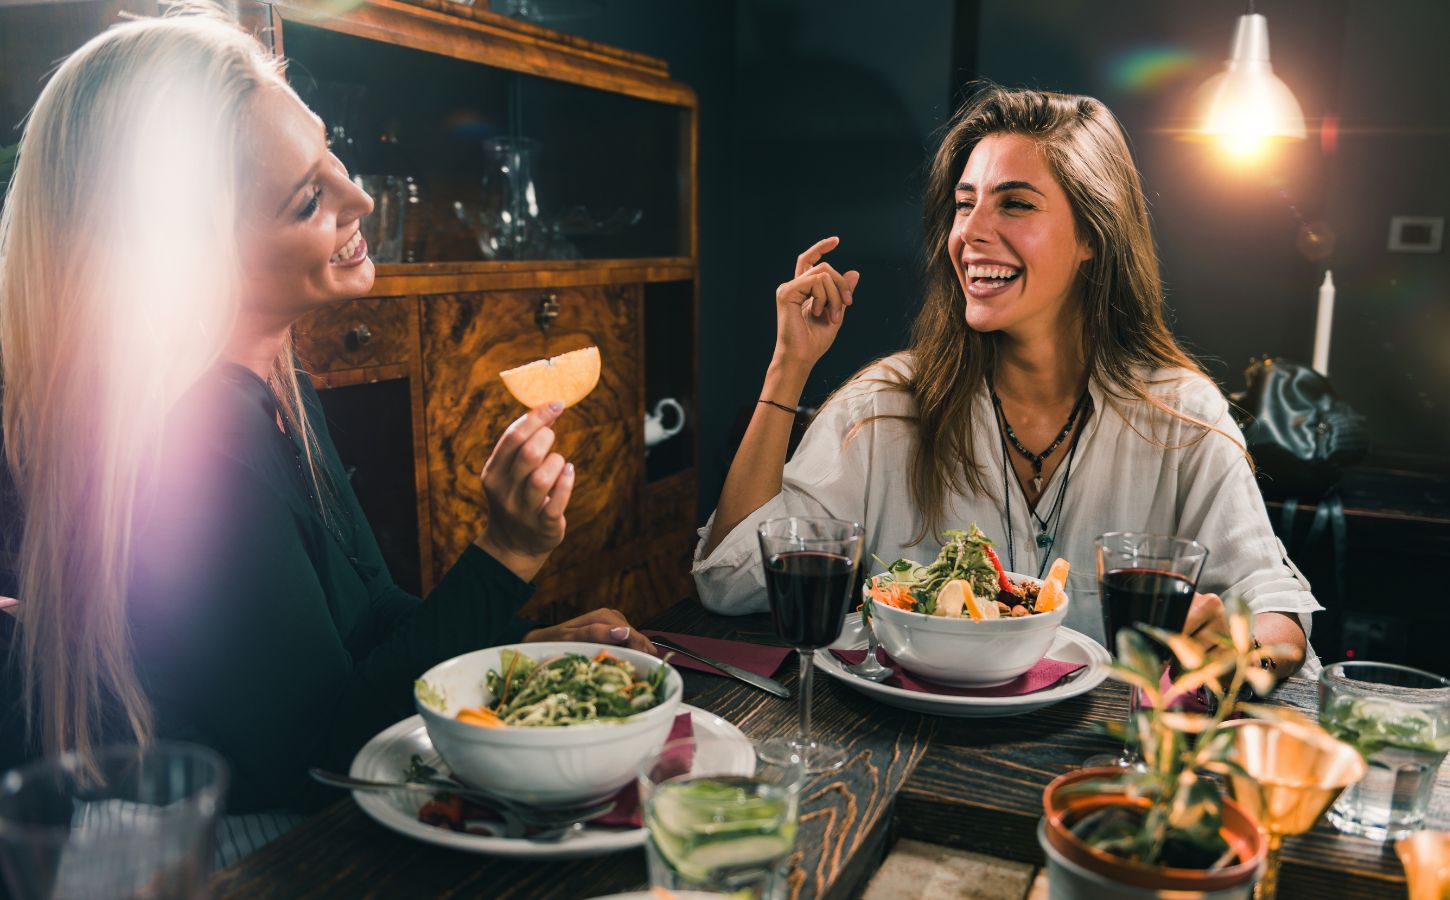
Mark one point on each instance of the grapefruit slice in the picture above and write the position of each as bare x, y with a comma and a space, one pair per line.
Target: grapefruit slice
568, 377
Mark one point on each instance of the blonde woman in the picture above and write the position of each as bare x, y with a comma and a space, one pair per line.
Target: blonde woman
191, 560
1042, 396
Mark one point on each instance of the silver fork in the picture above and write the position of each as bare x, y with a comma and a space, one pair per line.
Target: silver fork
869, 668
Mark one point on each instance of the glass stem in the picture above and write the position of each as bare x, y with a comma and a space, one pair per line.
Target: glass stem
1268, 886
807, 657
1130, 755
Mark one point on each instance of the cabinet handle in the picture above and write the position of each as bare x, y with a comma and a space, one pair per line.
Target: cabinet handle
360, 336
547, 311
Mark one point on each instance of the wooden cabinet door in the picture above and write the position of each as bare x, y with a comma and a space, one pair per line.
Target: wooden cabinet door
467, 340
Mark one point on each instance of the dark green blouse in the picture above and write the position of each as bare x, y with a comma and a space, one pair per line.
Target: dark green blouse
268, 631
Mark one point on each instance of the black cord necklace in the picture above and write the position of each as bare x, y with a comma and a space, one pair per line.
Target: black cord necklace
1054, 514
1036, 459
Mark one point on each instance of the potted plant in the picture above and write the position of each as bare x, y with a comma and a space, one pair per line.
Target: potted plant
1164, 828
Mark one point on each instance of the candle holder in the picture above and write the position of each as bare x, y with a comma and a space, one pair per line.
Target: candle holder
1294, 771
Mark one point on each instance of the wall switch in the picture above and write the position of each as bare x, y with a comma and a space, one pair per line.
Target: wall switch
1417, 234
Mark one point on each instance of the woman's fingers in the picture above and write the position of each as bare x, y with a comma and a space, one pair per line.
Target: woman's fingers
537, 484
517, 435
813, 255
559, 493
530, 456
834, 305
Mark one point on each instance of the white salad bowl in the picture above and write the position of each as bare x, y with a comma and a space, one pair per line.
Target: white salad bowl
965, 652
546, 765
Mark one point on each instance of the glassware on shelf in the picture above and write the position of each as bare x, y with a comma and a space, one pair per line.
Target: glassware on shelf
383, 228
508, 222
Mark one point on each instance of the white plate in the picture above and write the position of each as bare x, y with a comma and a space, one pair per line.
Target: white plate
386, 756
1069, 646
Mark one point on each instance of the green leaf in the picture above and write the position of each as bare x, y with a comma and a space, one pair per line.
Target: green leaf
1136, 653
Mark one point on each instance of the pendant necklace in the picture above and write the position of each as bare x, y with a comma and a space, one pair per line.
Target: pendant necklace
1046, 527
1036, 459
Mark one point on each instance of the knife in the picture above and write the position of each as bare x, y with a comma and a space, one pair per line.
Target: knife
769, 685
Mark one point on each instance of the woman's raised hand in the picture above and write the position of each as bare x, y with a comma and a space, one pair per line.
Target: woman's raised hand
527, 487
810, 307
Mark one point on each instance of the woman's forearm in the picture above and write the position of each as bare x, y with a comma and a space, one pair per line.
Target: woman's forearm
756, 472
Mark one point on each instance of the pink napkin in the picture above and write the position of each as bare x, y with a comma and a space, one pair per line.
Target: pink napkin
1047, 673
626, 812
756, 658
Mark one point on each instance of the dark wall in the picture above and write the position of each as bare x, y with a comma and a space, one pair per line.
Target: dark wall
1237, 283
815, 118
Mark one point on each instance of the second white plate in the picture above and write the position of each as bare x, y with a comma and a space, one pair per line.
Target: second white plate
1069, 646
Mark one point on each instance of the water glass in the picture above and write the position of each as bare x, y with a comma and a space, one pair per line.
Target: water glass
719, 818
811, 577
138, 823
1399, 719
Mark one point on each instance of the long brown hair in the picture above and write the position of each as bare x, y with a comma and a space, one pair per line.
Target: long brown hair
119, 286
1125, 337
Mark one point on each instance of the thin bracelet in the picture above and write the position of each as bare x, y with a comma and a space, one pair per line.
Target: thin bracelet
780, 406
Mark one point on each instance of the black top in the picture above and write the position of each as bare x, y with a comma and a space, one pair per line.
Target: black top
266, 631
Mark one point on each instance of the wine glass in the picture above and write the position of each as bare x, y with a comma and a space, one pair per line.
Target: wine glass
810, 577
1145, 579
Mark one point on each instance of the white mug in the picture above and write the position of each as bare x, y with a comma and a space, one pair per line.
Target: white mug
654, 423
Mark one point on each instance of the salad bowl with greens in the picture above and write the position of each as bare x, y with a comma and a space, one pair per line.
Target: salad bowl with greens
550, 723
962, 620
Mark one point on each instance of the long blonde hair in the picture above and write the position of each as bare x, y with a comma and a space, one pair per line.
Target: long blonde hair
1125, 336
119, 287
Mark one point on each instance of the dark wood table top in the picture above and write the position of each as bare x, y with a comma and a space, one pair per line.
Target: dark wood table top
975, 784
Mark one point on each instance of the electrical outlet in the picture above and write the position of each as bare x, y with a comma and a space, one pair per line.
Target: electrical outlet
1416, 234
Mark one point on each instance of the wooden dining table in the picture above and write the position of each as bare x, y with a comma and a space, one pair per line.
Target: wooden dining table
974, 784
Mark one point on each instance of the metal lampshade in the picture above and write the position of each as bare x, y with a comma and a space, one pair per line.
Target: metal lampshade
1246, 103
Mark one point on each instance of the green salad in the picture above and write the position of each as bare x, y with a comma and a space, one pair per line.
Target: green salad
965, 555
570, 690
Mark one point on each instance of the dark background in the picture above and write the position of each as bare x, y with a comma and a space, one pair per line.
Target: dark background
817, 117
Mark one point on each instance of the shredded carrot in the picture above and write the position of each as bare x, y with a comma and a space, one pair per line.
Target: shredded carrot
603, 655
479, 715
897, 595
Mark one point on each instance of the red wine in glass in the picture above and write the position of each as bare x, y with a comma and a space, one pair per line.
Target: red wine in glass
809, 591
1145, 596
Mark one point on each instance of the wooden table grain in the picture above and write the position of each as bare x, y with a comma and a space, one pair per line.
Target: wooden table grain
969, 783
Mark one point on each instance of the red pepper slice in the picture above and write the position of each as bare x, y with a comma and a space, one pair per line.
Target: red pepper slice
1002, 581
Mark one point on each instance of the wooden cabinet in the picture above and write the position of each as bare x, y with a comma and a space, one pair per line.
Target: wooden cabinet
614, 167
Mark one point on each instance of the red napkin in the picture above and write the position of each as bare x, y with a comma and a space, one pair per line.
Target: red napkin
626, 812
450, 811
1047, 673
756, 658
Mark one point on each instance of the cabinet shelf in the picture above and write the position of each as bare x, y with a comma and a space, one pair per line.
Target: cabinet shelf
397, 279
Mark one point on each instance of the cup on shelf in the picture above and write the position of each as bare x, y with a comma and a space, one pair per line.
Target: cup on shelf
655, 430
383, 228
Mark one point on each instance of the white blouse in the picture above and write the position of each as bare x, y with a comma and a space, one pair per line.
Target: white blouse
1136, 469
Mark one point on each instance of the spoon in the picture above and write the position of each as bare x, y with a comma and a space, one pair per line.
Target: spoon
869, 668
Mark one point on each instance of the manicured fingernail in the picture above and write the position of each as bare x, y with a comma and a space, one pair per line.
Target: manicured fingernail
619, 633
835, 315
556, 406
569, 470
848, 297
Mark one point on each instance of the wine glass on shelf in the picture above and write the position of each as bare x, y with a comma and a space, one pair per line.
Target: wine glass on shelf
810, 577
1145, 579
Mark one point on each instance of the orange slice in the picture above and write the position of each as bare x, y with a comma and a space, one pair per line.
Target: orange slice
951, 600
1054, 587
479, 715
568, 377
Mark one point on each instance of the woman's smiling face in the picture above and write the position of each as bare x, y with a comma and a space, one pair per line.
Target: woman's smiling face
299, 238
1014, 241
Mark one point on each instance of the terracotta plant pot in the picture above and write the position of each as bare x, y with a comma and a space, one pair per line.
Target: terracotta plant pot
1076, 870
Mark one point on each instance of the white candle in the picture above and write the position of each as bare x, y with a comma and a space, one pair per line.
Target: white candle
1323, 324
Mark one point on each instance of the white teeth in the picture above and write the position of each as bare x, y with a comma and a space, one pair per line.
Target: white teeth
1001, 272
349, 248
